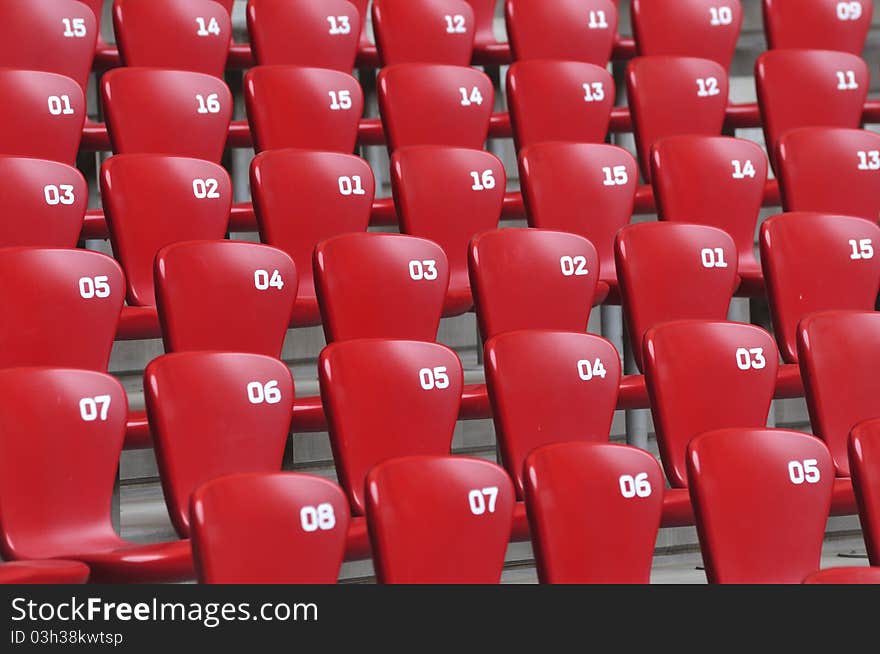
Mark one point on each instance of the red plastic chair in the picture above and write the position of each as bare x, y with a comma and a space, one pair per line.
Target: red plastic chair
62, 307
61, 434
149, 109
571, 30
688, 28
761, 499
375, 285
594, 511
864, 462
425, 104
439, 520
673, 271
484, 23
426, 32
384, 399
44, 202
214, 414
304, 197
258, 528
549, 387
583, 95
448, 195
806, 156
844, 576
532, 279
44, 572
826, 24
716, 181
703, 375
308, 108
816, 262
224, 295
674, 95
585, 189
151, 201
46, 119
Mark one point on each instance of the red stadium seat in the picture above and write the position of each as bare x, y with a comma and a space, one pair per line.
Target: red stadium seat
594, 511
852, 575
425, 32
571, 30
55, 36
674, 95
224, 295
47, 117
703, 375
825, 24
309, 108
809, 88
864, 462
532, 279
583, 95
761, 498
484, 22
195, 34
303, 197
62, 307
423, 104
439, 520
549, 387
816, 262
242, 531
152, 201
214, 414
585, 189
836, 350
44, 572
148, 109
716, 181
688, 28
61, 434
376, 285
385, 399
448, 195
314, 33
698, 265
806, 156
44, 202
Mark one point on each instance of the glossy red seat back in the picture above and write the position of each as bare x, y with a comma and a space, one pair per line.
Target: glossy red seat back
807, 154
484, 22
376, 285
532, 279
224, 295
815, 262
761, 499
864, 463
583, 95
570, 30
826, 24
213, 414
674, 95
314, 33
703, 375
837, 350
585, 189
148, 109
428, 31
425, 104
62, 307
688, 28
302, 197
151, 201
439, 520
61, 433
549, 387
594, 512
384, 399
698, 265
43, 201
447, 195
260, 528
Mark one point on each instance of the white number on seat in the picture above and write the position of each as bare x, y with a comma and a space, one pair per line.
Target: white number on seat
637, 486
721, 16
475, 97
595, 92
339, 25
263, 281
864, 249
60, 104
431, 378
804, 471
313, 518
91, 287
206, 189
74, 27
587, 370
94, 408
259, 393
419, 270
742, 170
61, 194
707, 87
846, 80
209, 28
597, 20
869, 160
713, 258
209, 105
616, 176
351, 185
455, 24
483, 181
752, 358
483, 499
340, 100
849, 10
574, 266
